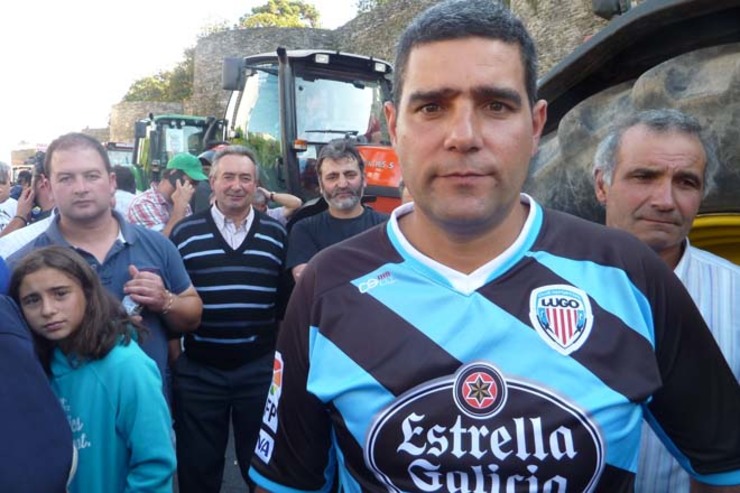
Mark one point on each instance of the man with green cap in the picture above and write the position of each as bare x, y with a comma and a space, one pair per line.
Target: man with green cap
167, 202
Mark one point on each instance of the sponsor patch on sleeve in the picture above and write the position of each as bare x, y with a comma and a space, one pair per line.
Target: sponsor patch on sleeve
263, 449
269, 418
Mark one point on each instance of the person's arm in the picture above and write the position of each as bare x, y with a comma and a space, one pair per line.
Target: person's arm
289, 202
22, 212
294, 445
180, 205
144, 422
695, 411
147, 213
34, 427
301, 248
697, 487
297, 271
181, 310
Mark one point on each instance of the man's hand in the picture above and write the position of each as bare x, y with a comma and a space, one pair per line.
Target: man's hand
147, 289
22, 212
25, 202
184, 191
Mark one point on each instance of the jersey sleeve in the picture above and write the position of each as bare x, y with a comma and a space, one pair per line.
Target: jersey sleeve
294, 450
37, 442
695, 412
301, 245
143, 419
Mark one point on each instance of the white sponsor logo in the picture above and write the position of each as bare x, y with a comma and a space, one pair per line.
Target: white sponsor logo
379, 280
269, 418
264, 447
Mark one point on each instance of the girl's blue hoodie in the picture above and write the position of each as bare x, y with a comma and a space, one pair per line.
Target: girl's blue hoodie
120, 421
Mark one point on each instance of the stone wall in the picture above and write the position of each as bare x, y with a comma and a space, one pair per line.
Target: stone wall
208, 98
102, 134
375, 33
704, 83
558, 26
123, 116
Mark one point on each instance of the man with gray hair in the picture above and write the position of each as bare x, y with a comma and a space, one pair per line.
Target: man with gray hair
235, 257
478, 341
8, 205
651, 172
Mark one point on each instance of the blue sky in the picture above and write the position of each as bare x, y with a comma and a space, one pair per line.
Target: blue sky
65, 63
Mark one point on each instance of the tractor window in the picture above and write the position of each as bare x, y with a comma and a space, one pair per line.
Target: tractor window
329, 109
254, 114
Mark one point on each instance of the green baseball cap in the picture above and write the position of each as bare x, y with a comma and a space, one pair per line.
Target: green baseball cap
189, 164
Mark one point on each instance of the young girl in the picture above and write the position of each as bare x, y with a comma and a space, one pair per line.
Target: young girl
110, 390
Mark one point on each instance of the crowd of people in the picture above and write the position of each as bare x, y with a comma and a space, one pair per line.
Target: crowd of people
471, 341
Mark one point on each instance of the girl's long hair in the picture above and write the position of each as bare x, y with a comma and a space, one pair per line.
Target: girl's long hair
105, 323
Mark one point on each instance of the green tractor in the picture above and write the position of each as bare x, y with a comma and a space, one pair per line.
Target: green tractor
159, 137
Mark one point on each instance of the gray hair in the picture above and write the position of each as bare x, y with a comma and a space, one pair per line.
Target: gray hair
235, 150
660, 121
461, 19
5, 172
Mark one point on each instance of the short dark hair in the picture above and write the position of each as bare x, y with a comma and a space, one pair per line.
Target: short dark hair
24, 176
660, 121
338, 149
125, 178
105, 323
460, 19
75, 140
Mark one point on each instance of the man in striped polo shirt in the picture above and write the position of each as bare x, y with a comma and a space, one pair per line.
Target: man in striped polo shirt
651, 173
235, 257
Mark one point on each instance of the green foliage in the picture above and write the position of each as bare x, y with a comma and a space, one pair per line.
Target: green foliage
176, 85
267, 150
368, 5
169, 86
282, 13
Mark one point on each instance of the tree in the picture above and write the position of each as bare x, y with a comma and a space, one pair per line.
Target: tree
282, 13
170, 86
368, 5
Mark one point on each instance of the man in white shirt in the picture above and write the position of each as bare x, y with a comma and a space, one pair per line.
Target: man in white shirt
651, 172
235, 258
8, 205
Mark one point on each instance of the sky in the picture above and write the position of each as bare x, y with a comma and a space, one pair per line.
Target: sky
64, 63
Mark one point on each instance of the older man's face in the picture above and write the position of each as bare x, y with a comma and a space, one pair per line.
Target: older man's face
656, 188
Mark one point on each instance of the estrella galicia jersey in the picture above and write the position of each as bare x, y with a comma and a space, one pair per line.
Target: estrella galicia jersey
531, 374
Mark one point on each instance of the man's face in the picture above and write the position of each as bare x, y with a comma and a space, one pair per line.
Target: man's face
4, 189
234, 184
342, 184
464, 131
81, 186
657, 186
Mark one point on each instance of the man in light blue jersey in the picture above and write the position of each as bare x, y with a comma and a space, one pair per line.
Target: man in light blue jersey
477, 341
651, 172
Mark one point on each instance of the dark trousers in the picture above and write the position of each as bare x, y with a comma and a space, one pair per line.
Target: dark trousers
206, 399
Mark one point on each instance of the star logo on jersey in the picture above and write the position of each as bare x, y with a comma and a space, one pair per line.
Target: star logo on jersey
479, 390
561, 315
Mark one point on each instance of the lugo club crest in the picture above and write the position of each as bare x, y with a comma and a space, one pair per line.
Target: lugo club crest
479, 432
561, 315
